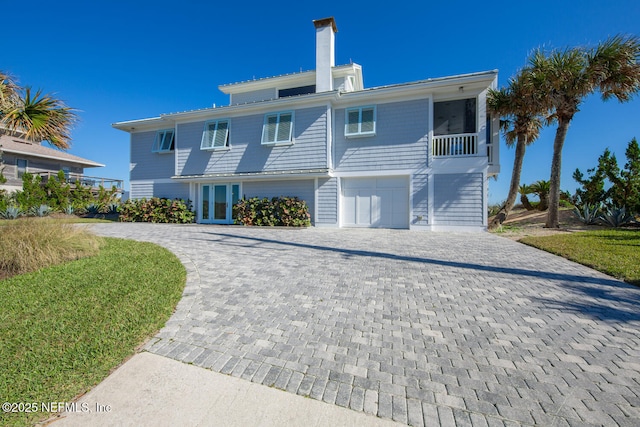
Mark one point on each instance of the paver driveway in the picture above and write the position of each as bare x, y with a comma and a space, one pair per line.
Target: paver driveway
422, 328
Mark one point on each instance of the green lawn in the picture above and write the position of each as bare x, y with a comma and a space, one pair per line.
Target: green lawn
64, 328
614, 252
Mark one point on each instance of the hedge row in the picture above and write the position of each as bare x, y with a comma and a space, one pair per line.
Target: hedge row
282, 211
175, 211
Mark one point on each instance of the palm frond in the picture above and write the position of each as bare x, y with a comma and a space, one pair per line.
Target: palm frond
613, 67
9, 91
41, 118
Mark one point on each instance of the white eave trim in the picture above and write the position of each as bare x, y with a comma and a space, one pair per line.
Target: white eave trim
288, 103
418, 89
285, 80
140, 124
306, 173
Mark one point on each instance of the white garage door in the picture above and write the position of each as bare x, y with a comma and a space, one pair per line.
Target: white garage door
375, 202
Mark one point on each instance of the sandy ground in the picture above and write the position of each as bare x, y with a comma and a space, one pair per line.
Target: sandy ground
522, 223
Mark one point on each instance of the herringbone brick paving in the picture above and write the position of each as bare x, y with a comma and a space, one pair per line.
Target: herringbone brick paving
422, 328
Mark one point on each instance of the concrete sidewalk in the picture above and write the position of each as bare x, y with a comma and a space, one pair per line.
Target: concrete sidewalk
152, 390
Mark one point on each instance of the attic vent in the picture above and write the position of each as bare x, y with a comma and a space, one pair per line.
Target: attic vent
294, 91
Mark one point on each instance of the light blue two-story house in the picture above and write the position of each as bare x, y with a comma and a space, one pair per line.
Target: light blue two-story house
415, 155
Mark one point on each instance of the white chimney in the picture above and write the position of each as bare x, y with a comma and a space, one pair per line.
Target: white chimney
325, 53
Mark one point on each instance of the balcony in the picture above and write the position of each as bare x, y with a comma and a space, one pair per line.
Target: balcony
93, 182
460, 145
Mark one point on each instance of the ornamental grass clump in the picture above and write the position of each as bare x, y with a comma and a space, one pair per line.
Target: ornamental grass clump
29, 244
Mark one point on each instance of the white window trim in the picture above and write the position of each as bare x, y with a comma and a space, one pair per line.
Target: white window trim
226, 147
158, 142
278, 115
359, 133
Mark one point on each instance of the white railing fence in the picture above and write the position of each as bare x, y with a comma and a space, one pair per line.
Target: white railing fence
464, 144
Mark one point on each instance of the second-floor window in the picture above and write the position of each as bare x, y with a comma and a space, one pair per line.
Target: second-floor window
215, 135
360, 121
164, 142
278, 128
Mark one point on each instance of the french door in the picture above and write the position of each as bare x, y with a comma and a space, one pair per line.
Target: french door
216, 202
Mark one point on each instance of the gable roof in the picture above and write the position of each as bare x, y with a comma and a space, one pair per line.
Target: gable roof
15, 145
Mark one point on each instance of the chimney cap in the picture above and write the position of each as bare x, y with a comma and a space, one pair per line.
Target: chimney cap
325, 22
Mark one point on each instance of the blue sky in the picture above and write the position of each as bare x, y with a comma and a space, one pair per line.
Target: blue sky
123, 60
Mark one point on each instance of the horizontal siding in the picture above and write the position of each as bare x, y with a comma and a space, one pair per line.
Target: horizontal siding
247, 154
401, 140
146, 190
34, 166
420, 195
254, 96
327, 201
303, 189
458, 199
148, 165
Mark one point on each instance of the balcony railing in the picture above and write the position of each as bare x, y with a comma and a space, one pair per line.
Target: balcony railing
93, 182
460, 145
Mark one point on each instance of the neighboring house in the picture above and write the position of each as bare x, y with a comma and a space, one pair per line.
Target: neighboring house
413, 155
20, 155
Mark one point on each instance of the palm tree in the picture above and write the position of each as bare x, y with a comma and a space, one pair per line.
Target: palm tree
565, 78
9, 92
41, 118
521, 124
524, 191
541, 189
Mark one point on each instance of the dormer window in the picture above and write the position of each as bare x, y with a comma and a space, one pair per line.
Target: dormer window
360, 121
164, 142
215, 135
278, 128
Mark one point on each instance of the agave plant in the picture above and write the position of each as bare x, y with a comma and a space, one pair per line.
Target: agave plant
589, 214
69, 210
94, 209
617, 217
40, 211
11, 212
112, 209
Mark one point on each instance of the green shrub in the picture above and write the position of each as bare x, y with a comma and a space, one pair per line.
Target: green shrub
58, 191
81, 198
281, 211
33, 194
175, 211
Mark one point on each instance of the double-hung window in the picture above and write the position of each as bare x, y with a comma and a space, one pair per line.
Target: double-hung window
215, 135
278, 128
360, 121
164, 142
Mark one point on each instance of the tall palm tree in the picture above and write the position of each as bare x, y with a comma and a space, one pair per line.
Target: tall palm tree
565, 78
521, 124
